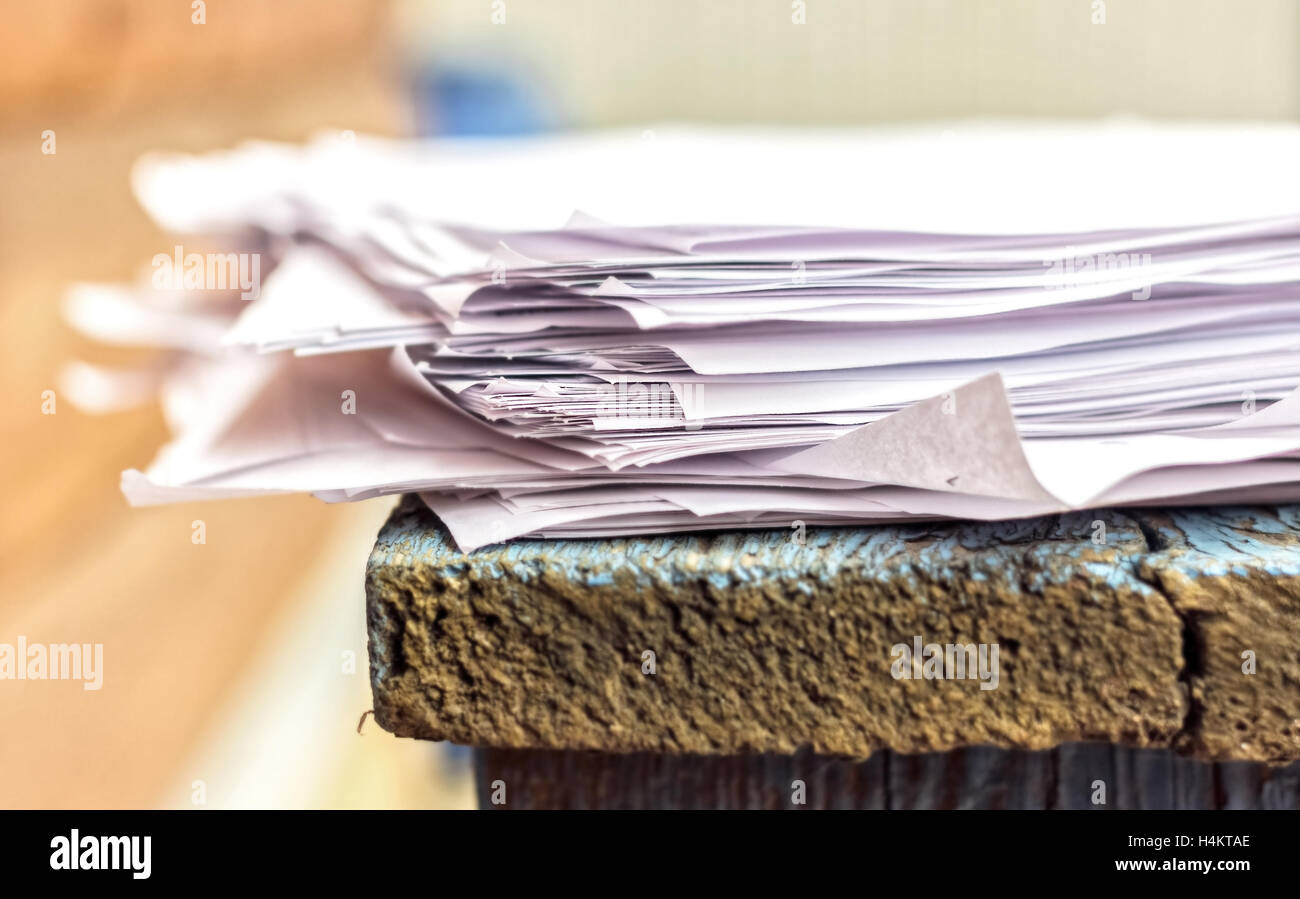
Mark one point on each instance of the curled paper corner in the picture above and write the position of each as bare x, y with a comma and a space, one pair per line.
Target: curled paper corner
613, 287
963, 440
1285, 413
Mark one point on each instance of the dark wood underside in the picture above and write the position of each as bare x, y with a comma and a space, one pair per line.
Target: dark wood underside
973, 778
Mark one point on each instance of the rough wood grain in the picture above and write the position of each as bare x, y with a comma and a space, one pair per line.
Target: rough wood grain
1233, 575
765, 645
979, 777
1129, 635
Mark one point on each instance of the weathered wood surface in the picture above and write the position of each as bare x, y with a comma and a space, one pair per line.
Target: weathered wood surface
1072, 776
1129, 635
1233, 576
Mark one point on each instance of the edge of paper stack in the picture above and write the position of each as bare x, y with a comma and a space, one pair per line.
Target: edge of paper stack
886, 326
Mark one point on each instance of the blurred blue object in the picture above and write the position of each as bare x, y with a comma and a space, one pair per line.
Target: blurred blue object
473, 100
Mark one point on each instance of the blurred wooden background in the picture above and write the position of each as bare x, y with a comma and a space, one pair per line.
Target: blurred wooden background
182, 624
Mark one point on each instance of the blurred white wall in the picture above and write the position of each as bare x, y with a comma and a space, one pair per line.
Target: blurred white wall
879, 60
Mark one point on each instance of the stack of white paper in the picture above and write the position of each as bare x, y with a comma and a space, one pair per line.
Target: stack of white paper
1087, 324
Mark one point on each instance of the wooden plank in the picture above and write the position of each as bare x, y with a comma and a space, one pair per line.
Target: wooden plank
972, 778
1233, 576
761, 645
594, 780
